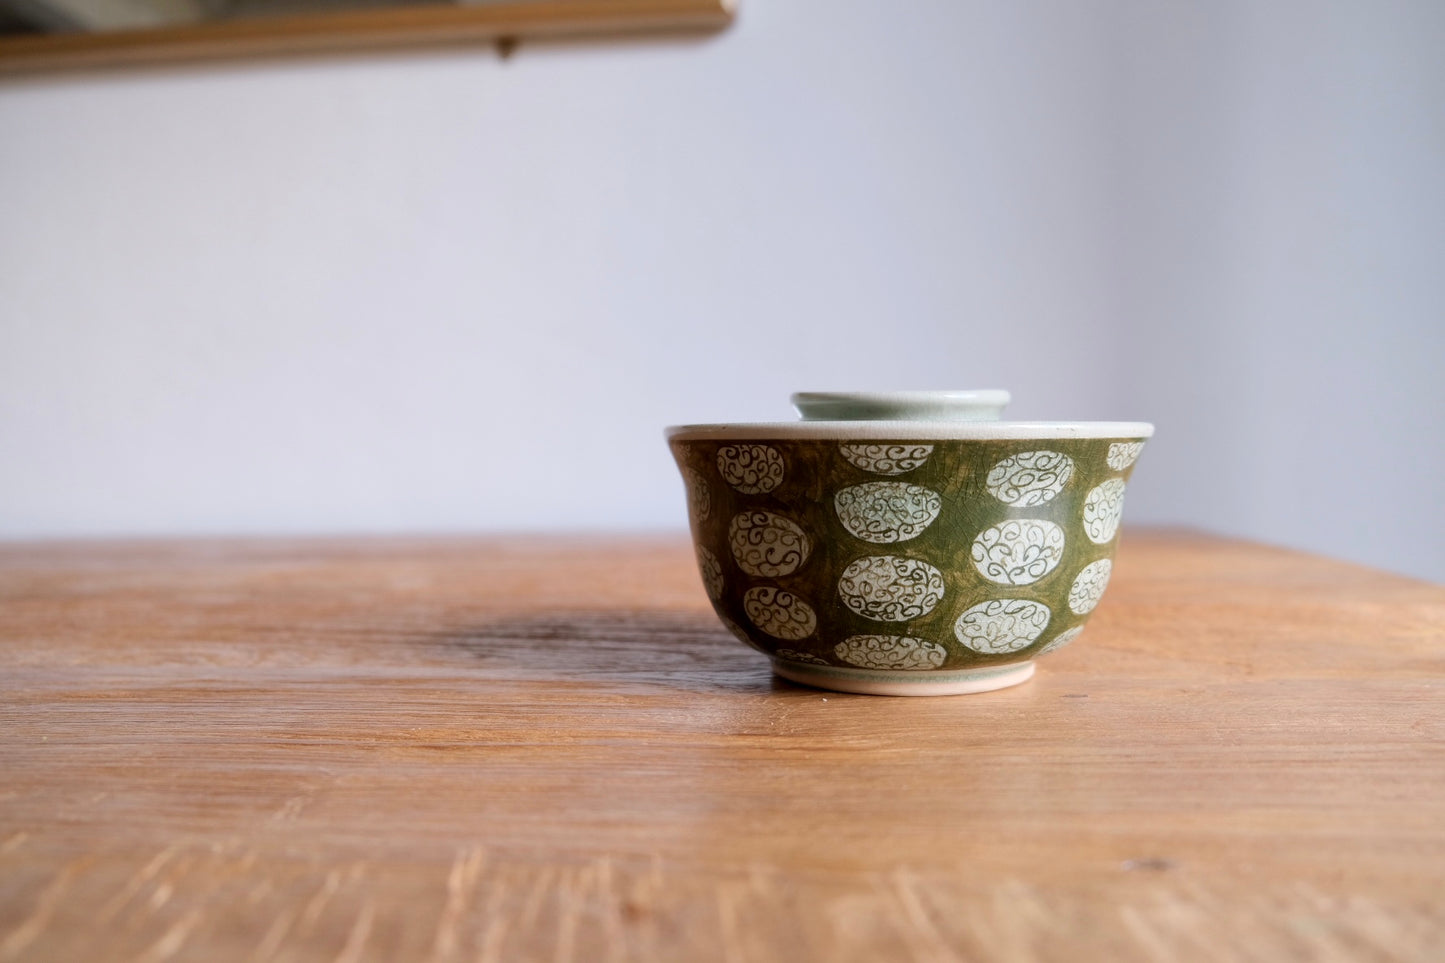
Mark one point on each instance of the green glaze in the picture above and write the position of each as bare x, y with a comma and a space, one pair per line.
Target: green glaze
799, 481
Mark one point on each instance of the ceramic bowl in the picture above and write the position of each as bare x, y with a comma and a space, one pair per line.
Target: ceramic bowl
906, 543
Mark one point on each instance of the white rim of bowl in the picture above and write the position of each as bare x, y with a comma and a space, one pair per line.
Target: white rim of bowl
913, 430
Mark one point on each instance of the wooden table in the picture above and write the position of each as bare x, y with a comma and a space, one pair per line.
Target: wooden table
543, 749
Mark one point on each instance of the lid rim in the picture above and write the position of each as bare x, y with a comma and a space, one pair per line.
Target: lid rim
972, 404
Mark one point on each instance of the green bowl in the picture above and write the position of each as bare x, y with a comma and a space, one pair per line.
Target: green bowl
927, 555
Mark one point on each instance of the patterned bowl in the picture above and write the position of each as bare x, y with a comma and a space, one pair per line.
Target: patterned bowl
909, 544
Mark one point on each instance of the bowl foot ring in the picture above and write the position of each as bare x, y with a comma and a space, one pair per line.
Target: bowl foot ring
871, 682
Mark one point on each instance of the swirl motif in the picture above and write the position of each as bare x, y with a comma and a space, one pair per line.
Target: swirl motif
699, 496
779, 612
1002, 625
890, 652
1103, 507
751, 469
793, 655
767, 545
712, 573
884, 512
886, 459
889, 588
1019, 551
1062, 639
1030, 477
1089, 587
1122, 454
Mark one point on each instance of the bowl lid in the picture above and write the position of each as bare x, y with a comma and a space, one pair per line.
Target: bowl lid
906, 415
985, 404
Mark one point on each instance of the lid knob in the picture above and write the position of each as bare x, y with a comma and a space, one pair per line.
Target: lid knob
982, 405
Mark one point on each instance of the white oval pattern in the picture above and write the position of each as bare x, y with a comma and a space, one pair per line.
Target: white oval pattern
889, 588
1062, 639
779, 612
712, 574
699, 496
1002, 625
767, 545
884, 512
793, 655
886, 459
1103, 508
1089, 587
1019, 551
1122, 454
1030, 477
890, 652
751, 469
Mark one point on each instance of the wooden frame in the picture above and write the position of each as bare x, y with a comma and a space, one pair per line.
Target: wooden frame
504, 24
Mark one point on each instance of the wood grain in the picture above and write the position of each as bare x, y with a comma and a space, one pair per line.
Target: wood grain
544, 749
374, 29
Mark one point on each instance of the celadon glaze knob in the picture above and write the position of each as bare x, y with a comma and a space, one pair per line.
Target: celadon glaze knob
906, 543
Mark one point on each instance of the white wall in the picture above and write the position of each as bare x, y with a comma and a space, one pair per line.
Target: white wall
437, 291
1282, 270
